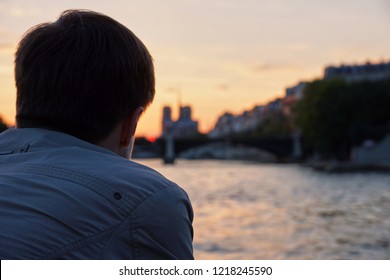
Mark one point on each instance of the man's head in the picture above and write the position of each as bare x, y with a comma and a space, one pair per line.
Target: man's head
84, 74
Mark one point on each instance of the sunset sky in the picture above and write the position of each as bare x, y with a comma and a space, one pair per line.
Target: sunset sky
220, 55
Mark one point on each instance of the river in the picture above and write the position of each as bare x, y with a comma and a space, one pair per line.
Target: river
269, 211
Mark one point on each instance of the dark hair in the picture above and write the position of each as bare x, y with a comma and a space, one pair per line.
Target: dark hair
82, 75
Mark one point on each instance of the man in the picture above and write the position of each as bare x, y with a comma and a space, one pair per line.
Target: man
67, 188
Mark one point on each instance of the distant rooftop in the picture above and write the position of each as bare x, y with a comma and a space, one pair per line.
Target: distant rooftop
351, 73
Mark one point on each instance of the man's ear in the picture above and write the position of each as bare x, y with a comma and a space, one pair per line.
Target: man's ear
129, 125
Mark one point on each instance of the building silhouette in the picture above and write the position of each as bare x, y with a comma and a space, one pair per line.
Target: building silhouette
183, 127
357, 73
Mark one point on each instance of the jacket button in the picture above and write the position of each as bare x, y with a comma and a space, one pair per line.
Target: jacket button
117, 195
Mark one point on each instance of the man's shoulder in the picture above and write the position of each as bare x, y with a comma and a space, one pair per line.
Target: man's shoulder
93, 190
116, 169
128, 180
70, 161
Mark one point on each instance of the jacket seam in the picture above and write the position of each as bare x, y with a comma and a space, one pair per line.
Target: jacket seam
134, 238
102, 187
80, 243
134, 222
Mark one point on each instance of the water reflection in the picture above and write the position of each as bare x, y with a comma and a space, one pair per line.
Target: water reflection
253, 211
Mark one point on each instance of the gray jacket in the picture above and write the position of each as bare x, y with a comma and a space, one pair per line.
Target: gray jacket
63, 198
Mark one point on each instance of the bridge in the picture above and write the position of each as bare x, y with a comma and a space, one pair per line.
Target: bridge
281, 147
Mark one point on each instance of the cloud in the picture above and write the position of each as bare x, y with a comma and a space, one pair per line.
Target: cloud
223, 87
265, 67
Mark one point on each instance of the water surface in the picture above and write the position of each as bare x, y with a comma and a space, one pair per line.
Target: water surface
269, 211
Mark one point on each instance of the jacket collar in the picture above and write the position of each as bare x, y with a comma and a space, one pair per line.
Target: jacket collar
22, 139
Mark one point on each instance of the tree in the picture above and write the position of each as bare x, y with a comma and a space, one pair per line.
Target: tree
3, 126
334, 115
275, 124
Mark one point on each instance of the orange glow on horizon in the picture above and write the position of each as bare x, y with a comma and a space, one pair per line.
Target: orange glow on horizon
151, 139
